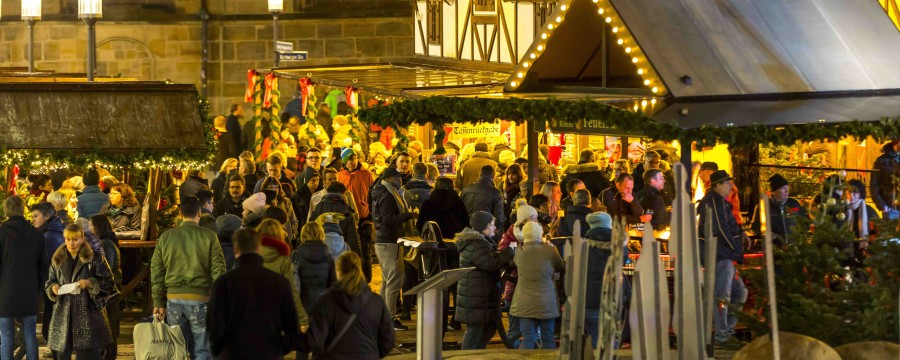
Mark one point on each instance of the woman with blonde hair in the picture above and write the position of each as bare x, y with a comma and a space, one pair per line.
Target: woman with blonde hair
276, 257
351, 305
314, 264
219, 184
553, 192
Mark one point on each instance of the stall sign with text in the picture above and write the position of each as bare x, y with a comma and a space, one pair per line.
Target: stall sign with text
445, 163
476, 130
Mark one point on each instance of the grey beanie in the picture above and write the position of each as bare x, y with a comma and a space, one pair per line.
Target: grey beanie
480, 220
227, 225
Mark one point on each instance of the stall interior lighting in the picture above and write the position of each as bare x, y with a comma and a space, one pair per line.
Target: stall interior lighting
624, 38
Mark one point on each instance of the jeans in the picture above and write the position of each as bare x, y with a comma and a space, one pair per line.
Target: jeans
514, 332
592, 325
388, 257
729, 290
8, 337
477, 336
529, 333
195, 312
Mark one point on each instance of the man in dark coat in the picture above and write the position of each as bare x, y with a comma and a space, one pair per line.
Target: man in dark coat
882, 183
651, 200
23, 272
445, 208
620, 201
192, 184
783, 211
251, 312
233, 136
470, 170
391, 216
44, 217
730, 239
92, 199
577, 212
233, 203
335, 202
417, 190
484, 196
594, 179
303, 197
478, 296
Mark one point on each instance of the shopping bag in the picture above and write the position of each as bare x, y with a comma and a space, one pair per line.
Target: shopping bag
158, 341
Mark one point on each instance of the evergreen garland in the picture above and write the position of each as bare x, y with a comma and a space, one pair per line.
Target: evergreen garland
441, 110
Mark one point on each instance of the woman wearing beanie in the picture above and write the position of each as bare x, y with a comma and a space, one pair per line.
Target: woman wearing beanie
478, 298
535, 302
512, 238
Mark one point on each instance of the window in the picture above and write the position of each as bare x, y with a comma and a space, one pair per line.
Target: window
485, 5
435, 21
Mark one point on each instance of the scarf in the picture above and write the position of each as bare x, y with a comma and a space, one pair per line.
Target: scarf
408, 226
862, 218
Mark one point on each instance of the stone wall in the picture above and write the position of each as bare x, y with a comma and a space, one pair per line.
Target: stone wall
171, 50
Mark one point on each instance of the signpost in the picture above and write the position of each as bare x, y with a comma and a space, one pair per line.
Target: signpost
429, 327
284, 51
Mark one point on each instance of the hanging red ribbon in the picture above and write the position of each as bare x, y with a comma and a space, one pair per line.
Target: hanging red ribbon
271, 83
13, 180
304, 94
251, 82
351, 99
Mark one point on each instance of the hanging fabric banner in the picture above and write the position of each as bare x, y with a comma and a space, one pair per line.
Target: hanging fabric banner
304, 95
352, 97
271, 83
251, 82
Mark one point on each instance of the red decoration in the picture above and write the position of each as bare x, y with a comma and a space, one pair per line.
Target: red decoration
270, 84
13, 180
251, 82
304, 94
351, 100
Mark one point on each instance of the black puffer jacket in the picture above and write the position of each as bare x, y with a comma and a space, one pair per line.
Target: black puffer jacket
478, 295
446, 209
881, 184
337, 203
483, 196
599, 250
371, 336
23, 267
388, 218
77, 315
315, 270
729, 245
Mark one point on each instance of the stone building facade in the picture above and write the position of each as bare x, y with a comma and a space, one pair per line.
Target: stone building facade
162, 39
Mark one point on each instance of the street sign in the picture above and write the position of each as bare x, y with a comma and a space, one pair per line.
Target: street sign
284, 46
292, 55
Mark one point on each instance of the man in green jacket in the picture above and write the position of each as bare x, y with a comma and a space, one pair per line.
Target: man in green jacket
185, 263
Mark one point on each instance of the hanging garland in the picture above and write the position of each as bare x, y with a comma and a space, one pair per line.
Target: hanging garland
441, 110
47, 160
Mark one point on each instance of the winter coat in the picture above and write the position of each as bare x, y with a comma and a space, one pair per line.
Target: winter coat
371, 336
510, 237
483, 196
782, 218
23, 267
191, 186
129, 219
389, 219
651, 199
574, 213
77, 315
251, 313
219, 187
547, 172
315, 269
495, 155
470, 170
232, 138
415, 192
276, 256
724, 226
536, 296
53, 235
335, 243
617, 206
227, 206
594, 179
882, 184
91, 200
358, 182
186, 261
445, 208
337, 203
478, 297
599, 250
113, 256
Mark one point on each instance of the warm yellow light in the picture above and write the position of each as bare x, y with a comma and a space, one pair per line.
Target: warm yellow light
513, 84
640, 71
647, 82
520, 75
608, 19
653, 101
559, 19
634, 60
655, 89
540, 47
525, 64
615, 29
620, 41
635, 107
563, 8
532, 56
644, 103
596, 1
600, 11
628, 49
550, 26
544, 36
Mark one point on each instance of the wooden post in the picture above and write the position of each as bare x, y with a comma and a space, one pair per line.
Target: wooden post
533, 158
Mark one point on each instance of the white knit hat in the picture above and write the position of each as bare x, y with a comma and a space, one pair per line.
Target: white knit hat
532, 232
255, 203
524, 213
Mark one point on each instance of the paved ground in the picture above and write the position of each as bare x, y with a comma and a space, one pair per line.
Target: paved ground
406, 341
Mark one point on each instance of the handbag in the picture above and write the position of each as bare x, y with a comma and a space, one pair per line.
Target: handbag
101, 300
158, 341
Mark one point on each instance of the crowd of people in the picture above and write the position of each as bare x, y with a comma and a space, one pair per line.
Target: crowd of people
275, 253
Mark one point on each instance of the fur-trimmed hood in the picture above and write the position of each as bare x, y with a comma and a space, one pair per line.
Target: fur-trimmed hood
580, 168
85, 255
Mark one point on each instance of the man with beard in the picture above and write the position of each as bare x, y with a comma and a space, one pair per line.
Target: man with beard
233, 203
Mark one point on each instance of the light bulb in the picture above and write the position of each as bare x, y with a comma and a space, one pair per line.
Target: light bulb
559, 19
620, 41
640, 71
535, 56
513, 84
525, 64
644, 103
520, 75
596, 1
653, 101
600, 11
615, 29
540, 47
544, 36
655, 89
634, 60
647, 82
628, 49
550, 26
608, 19
563, 8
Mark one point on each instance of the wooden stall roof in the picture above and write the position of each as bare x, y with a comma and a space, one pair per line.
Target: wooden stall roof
115, 117
397, 79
